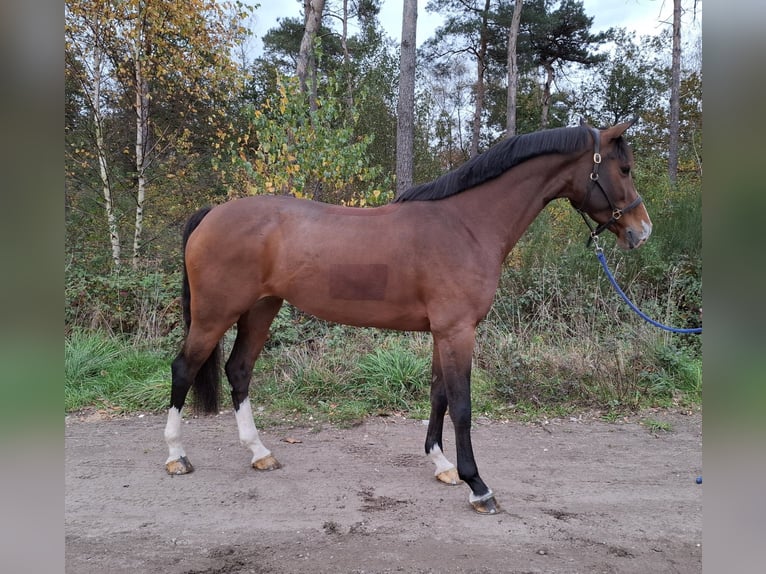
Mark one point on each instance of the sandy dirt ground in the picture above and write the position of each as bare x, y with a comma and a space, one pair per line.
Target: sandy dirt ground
577, 496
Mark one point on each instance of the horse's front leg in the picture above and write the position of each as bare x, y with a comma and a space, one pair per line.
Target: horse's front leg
455, 349
445, 470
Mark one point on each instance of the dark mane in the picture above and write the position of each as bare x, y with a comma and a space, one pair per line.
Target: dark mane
499, 159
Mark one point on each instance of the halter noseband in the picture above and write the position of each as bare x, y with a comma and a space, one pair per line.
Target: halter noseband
617, 213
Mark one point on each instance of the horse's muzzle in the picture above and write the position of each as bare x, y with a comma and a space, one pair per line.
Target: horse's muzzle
634, 238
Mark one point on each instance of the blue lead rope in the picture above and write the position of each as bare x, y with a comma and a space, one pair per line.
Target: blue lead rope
613, 281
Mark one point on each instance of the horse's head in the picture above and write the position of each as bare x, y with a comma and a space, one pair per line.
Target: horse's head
605, 190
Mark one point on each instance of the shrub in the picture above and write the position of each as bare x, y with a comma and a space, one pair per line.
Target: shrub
143, 303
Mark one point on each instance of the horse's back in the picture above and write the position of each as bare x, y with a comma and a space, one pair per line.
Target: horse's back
241, 215
334, 262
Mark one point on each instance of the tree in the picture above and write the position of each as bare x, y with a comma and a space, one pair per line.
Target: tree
322, 159
362, 61
448, 89
631, 80
159, 37
331, 51
675, 91
468, 29
365, 12
481, 67
557, 38
513, 71
169, 66
87, 67
405, 108
306, 59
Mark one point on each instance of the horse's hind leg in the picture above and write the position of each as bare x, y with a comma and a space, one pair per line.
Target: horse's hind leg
252, 332
198, 350
445, 470
177, 463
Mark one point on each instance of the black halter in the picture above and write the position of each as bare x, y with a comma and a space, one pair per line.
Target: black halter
617, 213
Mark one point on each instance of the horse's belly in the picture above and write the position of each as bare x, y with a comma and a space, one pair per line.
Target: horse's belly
375, 294
383, 314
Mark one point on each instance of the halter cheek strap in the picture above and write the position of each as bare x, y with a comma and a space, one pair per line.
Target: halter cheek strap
617, 213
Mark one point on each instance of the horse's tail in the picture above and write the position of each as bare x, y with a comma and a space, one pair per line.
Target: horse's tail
207, 383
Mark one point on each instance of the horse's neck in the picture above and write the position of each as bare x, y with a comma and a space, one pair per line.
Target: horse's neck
501, 210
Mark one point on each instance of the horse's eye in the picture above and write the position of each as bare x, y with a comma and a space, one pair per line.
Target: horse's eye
625, 170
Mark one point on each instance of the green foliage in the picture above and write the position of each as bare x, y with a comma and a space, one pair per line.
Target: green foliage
560, 35
178, 56
286, 328
675, 369
557, 338
143, 302
630, 80
547, 364
311, 154
558, 334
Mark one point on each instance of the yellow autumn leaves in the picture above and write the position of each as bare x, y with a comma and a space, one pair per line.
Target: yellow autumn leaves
290, 149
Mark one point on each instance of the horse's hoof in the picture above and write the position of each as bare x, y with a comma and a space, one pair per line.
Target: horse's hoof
179, 466
486, 506
267, 463
449, 477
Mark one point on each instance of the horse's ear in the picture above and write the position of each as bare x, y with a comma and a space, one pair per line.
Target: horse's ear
582, 121
616, 131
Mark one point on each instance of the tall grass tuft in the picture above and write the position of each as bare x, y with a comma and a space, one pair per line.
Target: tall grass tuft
87, 354
393, 377
106, 371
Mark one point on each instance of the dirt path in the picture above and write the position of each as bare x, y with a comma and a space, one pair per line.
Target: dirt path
576, 496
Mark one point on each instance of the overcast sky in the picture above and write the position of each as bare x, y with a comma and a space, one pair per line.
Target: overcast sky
643, 16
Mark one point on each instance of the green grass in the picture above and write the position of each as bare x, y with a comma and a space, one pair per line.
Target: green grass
392, 378
87, 355
569, 358
655, 426
105, 371
344, 376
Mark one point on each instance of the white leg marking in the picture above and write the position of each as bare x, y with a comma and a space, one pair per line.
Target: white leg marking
484, 497
173, 435
248, 434
437, 457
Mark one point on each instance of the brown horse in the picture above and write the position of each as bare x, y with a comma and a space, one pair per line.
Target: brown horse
430, 261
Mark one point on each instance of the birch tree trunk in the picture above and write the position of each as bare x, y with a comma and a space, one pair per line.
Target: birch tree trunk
481, 66
347, 57
405, 107
103, 168
306, 63
675, 98
142, 136
513, 70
